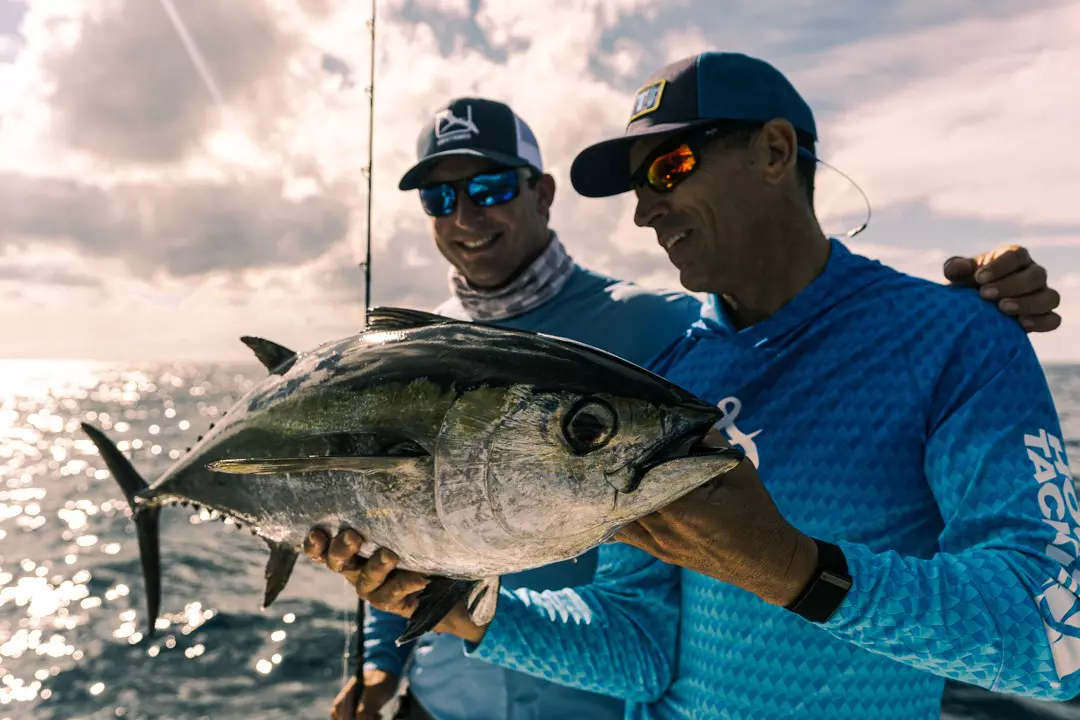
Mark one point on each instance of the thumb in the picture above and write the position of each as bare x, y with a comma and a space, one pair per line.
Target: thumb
961, 270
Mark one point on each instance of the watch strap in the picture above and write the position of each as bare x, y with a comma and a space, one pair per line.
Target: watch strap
828, 586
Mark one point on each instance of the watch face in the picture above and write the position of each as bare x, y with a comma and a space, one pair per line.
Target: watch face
838, 580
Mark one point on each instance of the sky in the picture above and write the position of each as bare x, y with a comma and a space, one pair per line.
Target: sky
157, 204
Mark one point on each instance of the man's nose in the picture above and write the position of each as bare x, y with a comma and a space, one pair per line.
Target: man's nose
650, 208
467, 214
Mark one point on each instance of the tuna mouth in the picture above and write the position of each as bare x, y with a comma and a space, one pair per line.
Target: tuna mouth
691, 444
696, 442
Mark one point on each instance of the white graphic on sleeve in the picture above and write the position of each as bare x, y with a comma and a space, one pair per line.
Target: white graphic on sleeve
1059, 601
731, 407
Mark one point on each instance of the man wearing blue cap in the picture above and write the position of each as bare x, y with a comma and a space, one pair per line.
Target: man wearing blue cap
906, 514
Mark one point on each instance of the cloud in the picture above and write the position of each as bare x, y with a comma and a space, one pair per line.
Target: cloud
120, 165
180, 229
976, 128
125, 90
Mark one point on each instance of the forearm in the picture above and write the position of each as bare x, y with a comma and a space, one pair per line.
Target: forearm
381, 629
972, 616
616, 638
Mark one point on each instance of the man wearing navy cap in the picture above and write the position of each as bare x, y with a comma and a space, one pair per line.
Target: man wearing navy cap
906, 513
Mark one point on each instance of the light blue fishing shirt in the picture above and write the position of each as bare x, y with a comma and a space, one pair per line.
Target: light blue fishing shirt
906, 421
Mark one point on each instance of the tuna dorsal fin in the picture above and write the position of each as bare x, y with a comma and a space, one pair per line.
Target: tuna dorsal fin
278, 569
277, 358
276, 466
381, 319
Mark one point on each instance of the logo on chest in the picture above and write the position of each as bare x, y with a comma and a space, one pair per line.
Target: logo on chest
731, 406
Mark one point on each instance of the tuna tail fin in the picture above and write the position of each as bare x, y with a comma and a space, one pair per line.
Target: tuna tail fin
146, 520
442, 594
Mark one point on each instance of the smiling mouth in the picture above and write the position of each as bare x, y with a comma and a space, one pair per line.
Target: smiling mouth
669, 241
478, 244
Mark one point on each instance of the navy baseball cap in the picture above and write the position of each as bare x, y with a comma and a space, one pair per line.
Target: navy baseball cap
693, 91
477, 128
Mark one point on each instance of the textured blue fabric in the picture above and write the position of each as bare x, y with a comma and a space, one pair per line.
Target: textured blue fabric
624, 319
910, 423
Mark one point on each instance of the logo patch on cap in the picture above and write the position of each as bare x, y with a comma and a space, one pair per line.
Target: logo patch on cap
450, 127
647, 99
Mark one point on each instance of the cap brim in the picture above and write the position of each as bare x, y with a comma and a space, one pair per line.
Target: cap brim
412, 179
603, 169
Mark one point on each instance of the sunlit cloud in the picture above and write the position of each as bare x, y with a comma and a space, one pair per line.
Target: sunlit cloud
142, 206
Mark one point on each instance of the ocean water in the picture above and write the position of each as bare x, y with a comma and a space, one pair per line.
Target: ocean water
71, 602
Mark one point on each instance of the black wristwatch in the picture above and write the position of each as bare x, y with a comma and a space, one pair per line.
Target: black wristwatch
827, 588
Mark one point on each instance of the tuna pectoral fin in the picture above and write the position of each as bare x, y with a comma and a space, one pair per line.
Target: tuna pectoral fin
275, 466
439, 598
278, 570
146, 520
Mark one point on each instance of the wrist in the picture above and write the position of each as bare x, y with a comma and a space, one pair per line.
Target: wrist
827, 587
380, 687
793, 577
458, 623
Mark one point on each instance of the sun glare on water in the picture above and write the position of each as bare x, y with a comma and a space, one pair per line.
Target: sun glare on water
63, 523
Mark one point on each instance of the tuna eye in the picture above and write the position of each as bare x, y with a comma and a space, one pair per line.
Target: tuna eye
589, 425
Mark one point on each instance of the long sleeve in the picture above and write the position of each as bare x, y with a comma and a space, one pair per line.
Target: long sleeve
615, 636
997, 605
380, 652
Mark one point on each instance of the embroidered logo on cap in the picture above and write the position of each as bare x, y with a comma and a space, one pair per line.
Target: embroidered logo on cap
647, 99
450, 127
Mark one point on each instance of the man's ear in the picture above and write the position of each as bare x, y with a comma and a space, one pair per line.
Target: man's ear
777, 149
545, 193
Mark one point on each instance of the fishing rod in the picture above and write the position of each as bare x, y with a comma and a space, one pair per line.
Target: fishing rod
365, 266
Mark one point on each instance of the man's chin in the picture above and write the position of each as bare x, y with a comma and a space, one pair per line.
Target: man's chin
484, 275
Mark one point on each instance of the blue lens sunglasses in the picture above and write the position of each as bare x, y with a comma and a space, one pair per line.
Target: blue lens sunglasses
483, 189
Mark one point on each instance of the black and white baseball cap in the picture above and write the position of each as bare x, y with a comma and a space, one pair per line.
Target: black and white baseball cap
478, 128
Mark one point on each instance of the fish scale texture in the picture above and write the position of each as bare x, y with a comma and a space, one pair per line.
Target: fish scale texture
909, 423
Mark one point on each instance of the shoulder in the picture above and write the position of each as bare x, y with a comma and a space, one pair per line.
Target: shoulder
451, 308
931, 309
625, 297
614, 315
940, 311
954, 343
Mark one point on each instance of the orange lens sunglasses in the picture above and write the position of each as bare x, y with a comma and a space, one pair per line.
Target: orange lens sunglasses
673, 161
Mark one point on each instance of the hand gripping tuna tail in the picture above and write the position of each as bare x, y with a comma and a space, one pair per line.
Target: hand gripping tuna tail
146, 520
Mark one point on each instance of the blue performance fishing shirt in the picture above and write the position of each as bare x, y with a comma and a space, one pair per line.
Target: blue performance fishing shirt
906, 421
623, 319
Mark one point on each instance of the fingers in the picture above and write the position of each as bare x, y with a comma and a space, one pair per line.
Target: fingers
1000, 263
315, 545
961, 271
398, 594
343, 703
1009, 277
376, 580
1043, 302
1041, 323
344, 552
373, 573
340, 554
1026, 281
